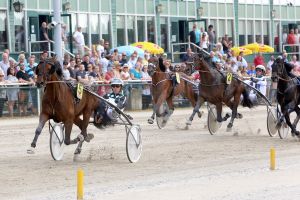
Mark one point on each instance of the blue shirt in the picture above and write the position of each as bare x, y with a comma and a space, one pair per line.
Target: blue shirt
135, 73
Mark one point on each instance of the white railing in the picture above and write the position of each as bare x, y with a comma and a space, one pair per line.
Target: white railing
294, 47
187, 45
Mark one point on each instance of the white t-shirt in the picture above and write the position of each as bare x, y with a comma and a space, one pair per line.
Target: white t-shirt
100, 50
79, 38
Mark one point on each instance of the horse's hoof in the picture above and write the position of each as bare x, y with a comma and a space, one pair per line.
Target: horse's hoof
229, 126
186, 127
239, 116
80, 137
30, 150
89, 137
150, 121
188, 122
200, 114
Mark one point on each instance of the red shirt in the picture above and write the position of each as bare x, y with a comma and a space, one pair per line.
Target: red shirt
258, 60
291, 39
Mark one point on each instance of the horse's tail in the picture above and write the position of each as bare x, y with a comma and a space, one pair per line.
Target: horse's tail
247, 102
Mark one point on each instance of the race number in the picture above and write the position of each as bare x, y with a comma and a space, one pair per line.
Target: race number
177, 77
228, 78
79, 91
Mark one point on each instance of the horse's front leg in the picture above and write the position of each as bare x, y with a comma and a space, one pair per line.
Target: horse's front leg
297, 110
219, 112
151, 119
43, 119
233, 106
170, 105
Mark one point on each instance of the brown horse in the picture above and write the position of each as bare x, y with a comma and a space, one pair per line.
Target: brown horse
58, 104
214, 89
163, 90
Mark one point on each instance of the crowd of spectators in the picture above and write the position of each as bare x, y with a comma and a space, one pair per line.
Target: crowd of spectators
96, 66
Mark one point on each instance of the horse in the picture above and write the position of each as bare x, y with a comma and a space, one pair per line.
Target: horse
58, 103
214, 89
288, 93
162, 90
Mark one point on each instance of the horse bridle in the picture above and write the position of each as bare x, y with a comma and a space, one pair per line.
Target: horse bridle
47, 81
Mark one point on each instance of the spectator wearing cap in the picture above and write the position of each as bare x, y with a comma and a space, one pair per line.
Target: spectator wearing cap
79, 41
4, 64
67, 72
123, 59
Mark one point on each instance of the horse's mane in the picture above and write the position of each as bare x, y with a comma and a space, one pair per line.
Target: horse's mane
161, 65
55, 66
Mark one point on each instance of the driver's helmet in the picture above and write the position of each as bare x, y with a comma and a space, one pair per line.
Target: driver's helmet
116, 81
261, 67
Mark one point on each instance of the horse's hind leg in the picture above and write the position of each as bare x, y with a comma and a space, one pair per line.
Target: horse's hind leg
297, 110
43, 119
195, 110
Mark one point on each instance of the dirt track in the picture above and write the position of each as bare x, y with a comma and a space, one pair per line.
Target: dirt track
175, 164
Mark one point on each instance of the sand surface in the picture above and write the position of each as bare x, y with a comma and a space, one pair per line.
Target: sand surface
176, 164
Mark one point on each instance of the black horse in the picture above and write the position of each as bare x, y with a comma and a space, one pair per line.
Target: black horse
288, 92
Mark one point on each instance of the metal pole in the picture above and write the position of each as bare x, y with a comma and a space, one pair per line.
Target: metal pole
57, 30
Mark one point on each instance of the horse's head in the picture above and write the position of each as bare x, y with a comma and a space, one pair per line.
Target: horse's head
280, 68
198, 60
48, 70
151, 69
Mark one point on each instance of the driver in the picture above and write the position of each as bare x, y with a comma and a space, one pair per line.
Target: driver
104, 114
260, 80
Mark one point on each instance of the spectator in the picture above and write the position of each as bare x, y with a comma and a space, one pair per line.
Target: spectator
8, 54
211, 37
94, 59
269, 65
86, 61
23, 77
115, 55
228, 65
296, 68
12, 93
125, 73
66, 72
79, 41
44, 37
97, 74
4, 64
226, 44
117, 70
197, 36
72, 68
146, 58
192, 35
30, 68
104, 62
259, 59
21, 61
135, 72
188, 57
219, 48
291, 40
146, 93
251, 72
44, 55
204, 42
297, 38
2, 92
106, 49
132, 61
81, 75
64, 38
100, 48
123, 59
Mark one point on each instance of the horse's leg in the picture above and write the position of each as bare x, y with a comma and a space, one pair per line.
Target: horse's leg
286, 114
170, 105
297, 110
197, 106
151, 119
219, 112
233, 106
68, 130
43, 119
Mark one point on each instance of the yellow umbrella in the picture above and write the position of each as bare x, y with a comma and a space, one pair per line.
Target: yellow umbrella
150, 47
255, 47
237, 50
